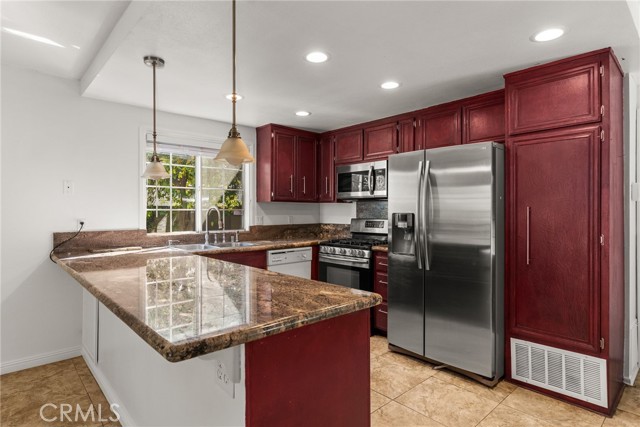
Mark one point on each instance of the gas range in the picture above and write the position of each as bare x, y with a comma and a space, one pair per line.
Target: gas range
365, 234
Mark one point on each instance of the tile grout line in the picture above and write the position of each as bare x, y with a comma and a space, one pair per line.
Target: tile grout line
85, 386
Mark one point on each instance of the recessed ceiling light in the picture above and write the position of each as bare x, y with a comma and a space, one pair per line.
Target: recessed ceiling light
33, 37
230, 97
317, 57
303, 113
547, 35
390, 85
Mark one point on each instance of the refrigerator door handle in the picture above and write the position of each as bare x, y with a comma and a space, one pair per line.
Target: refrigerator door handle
370, 178
424, 235
417, 228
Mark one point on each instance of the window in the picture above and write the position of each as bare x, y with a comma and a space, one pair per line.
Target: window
196, 183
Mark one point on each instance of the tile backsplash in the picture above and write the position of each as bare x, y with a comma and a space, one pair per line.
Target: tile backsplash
372, 209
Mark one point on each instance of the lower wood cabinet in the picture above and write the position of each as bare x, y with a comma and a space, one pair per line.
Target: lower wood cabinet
257, 259
380, 283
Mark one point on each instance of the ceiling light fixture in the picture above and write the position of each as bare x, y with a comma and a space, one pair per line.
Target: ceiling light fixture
317, 57
390, 85
230, 97
33, 37
234, 150
155, 169
303, 113
547, 35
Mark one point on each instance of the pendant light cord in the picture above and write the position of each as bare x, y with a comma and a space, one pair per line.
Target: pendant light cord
155, 154
233, 44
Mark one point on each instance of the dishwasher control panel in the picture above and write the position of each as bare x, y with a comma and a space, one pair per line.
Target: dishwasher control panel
288, 256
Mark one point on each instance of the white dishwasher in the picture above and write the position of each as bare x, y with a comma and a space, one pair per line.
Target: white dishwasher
294, 262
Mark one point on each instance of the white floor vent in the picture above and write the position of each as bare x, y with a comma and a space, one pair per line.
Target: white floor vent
572, 374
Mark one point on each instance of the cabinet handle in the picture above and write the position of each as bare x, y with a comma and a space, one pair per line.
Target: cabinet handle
304, 185
382, 282
383, 263
528, 234
326, 185
382, 311
291, 184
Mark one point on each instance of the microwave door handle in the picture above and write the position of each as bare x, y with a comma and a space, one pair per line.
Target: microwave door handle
424, 220
370, 178
417, 228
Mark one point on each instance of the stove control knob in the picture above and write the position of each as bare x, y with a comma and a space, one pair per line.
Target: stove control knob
360, 253
343, 251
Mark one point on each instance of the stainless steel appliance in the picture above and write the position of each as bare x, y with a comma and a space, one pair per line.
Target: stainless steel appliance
446, 256
347, 262
294, 262
362, 181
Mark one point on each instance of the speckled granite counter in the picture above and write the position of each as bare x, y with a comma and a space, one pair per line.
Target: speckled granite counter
185, 305
380, 248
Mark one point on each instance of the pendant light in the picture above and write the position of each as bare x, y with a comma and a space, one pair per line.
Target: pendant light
234, 150
155, 169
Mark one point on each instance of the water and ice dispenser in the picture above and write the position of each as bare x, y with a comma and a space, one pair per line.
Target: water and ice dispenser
402, 234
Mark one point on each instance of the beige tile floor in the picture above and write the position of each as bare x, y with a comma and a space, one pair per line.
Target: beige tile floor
404, 392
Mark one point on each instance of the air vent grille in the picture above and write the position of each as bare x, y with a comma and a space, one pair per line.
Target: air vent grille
572, 374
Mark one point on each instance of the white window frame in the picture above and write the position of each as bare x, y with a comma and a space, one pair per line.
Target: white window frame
191, 140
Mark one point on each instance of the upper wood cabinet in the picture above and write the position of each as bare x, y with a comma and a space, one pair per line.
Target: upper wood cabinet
348, 146
565, 94
380, 141
326, 170
286, 165
483, 118
438, 126
406, 135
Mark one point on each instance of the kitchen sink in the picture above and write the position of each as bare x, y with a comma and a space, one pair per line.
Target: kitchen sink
233, 244
194, 247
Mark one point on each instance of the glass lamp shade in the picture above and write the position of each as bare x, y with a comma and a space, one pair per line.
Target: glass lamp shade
155, 170
235, 152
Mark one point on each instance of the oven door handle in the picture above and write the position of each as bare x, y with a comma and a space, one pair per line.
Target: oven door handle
351, 262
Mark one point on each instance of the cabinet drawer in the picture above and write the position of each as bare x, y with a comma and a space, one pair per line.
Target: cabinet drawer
380, 317
381, 262
380, 285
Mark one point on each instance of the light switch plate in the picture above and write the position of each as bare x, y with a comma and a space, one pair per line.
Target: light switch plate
635, 191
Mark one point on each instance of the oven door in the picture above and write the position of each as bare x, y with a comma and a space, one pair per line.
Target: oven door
346, 271
362, 181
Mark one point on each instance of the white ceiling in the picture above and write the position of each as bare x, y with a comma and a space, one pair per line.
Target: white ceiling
439, 51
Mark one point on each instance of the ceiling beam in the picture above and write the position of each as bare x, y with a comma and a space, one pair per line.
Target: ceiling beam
130, 17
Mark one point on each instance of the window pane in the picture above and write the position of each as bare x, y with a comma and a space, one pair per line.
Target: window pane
209, 162
164, 158
157, 197
233, 179
212, 178
233, 199
233, 219
184, 220
158, 222
183, 199
161, 182
183, 159
211, 198
183, 176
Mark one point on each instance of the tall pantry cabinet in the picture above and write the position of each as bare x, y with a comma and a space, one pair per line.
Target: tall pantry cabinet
565, 244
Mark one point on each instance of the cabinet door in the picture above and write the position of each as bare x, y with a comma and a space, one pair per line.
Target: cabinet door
439, 128
554, 266
256, 259
284, 166
348, 146
484, 120
565, 94
406, 135
306, 169
380, 141
326, 190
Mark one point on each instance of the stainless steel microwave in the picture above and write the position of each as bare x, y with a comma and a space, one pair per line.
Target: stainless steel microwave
362, 181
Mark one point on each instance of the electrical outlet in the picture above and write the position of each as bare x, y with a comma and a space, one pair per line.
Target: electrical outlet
79, 221
67, 187
259, 220
290, 218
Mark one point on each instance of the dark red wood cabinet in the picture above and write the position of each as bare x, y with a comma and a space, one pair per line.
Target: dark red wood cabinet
326, 170
380, 141
348, 146
565, 243
380, 283
567, 95
483, 118
439, 126
257, 259
286, 165
406, 135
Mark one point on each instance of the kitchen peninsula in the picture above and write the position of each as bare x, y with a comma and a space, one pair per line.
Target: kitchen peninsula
251, 347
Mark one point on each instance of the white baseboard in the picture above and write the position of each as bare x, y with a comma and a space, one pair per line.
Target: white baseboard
37, 360
109, 393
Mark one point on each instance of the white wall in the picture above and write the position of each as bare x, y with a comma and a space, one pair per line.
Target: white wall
49, 134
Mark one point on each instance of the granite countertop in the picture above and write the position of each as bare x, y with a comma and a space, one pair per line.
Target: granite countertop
185, 305
380, 248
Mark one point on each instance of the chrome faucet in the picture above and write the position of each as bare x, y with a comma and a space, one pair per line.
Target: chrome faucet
220, 223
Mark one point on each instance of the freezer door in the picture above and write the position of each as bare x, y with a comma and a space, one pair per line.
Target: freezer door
405, 327
460, 289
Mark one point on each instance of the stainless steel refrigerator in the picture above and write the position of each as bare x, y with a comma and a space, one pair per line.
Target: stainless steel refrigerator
446, 256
